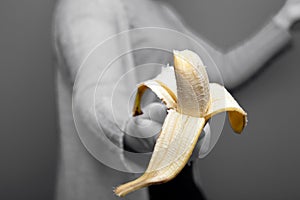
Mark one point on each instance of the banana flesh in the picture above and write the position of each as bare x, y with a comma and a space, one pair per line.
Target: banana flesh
192, 84
191, 101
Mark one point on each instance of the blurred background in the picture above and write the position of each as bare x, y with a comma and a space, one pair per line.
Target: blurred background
262, 163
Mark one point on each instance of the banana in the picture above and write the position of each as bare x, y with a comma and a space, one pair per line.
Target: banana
191, 101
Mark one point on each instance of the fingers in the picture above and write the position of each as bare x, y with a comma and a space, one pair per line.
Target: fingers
142, 128
140, 134
202, 145
142, 131
205, 142
155, 111
149, 97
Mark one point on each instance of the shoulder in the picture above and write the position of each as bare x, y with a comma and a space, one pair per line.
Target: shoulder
72, 11
151, 13
79, 25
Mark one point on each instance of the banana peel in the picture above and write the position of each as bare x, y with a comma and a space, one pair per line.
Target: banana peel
191, 101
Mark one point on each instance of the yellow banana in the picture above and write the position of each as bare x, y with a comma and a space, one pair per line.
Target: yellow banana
191, 101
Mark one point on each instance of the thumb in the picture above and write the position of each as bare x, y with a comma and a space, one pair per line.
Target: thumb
155, 112
140, 134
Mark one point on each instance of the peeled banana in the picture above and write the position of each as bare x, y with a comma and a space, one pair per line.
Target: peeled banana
191, 101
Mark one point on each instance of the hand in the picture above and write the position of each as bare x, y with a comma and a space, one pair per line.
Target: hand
142, 131
289, 14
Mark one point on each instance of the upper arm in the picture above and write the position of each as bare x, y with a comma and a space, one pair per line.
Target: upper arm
84, 43
80, 25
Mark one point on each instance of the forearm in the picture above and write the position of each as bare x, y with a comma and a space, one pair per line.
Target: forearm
240, 63
80, 26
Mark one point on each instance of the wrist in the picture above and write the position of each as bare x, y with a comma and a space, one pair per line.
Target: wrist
282, 19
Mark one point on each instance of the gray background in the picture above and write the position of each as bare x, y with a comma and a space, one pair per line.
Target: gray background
28, 136
262, 163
